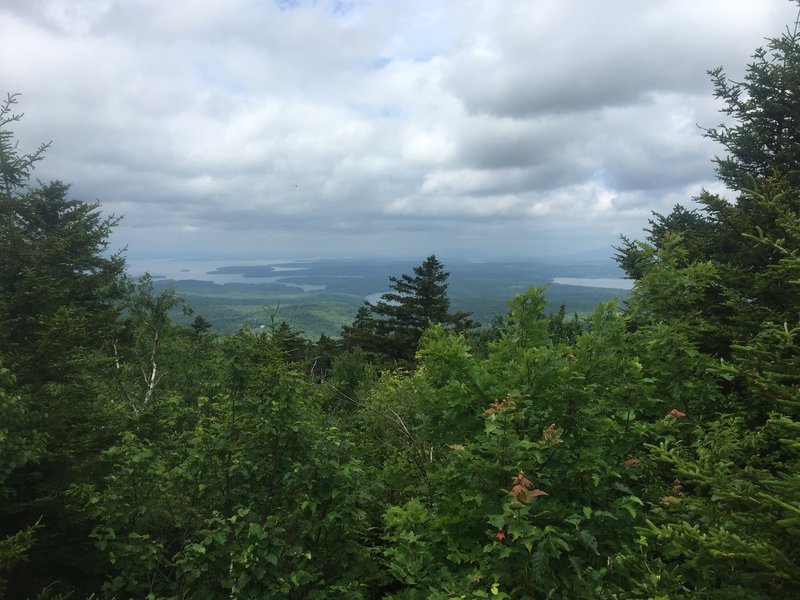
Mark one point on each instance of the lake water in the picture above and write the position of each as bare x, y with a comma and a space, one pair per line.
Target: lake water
598, 282
208, 271
292, 273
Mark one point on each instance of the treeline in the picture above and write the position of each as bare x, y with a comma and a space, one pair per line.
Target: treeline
649, 451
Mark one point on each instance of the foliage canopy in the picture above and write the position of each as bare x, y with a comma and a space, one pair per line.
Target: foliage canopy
651, 451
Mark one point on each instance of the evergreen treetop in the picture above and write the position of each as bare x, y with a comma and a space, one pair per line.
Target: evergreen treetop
394, 325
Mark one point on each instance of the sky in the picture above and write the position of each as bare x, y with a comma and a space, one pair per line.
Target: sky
248, 129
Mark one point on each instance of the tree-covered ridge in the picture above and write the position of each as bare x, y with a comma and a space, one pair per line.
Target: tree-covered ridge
649, 451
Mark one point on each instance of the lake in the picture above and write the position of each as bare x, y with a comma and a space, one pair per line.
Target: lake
596, 282
504, 279
221, 272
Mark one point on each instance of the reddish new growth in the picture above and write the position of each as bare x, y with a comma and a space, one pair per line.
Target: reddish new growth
498, 405
550, 437
521, 489
550, 434
501, 534
677, 493
676, 413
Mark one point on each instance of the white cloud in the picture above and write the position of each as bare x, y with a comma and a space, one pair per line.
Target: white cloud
480, 126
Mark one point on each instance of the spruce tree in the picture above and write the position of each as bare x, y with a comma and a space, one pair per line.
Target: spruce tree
394, 325
761, 165
59, 305
725, 279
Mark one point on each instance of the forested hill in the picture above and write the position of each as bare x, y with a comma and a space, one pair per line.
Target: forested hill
321, 296
649, 450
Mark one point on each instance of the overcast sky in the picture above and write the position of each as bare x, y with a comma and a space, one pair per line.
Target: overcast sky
476, 128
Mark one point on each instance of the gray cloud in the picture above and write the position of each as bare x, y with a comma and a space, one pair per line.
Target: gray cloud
259, 128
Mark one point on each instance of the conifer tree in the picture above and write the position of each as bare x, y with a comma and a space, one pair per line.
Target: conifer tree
59, 304
394, 325
762, 166
725, 278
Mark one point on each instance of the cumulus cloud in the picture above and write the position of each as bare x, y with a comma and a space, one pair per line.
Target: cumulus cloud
325, 127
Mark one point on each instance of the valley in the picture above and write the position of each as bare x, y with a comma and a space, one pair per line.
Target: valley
320, 296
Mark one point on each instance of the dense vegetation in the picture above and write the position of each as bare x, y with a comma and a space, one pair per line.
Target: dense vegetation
649, 451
